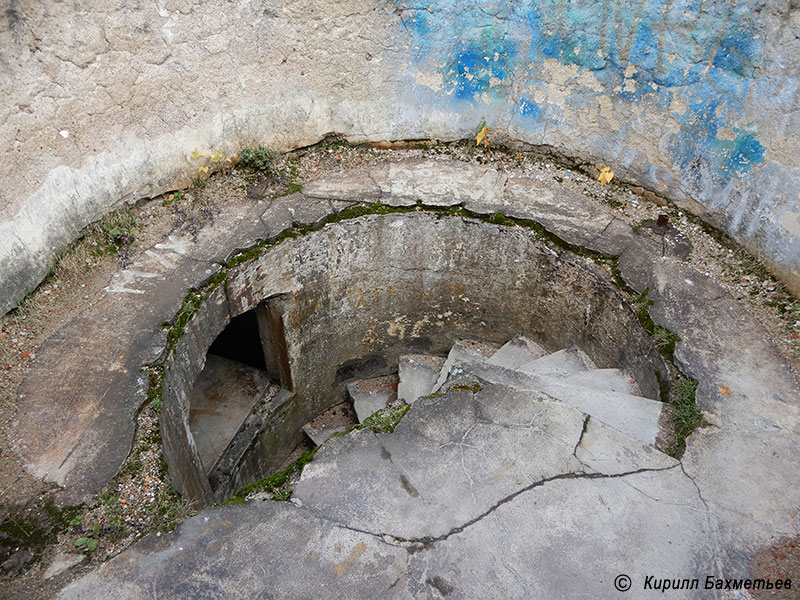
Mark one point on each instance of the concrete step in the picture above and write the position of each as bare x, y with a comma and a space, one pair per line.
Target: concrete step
371, 395
418, 374
633, 415
559, 364
517, 352
224, 395
464, 349
609, 380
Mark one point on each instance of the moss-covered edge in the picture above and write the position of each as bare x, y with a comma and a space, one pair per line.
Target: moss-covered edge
663, 338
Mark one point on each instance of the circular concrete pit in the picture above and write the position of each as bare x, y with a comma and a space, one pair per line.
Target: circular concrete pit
344, 303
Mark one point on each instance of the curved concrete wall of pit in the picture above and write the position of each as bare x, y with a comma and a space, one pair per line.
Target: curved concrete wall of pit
105, 102
356, 295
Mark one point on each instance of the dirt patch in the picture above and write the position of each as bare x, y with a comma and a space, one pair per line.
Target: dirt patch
779, 560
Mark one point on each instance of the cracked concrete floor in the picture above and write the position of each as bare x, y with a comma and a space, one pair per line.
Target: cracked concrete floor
495, 494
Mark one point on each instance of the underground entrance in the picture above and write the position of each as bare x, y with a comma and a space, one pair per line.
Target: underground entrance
277, 341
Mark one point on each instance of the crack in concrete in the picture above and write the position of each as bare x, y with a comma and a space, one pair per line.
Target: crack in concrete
580, 441
504, 558
418, 544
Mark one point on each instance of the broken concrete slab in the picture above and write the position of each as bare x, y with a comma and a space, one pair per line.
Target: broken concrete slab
460, 446
560, 364
496, 482
95, 362
604, 449
444, 182
572, 217
517, 352
464, 350
417, 375
545, 542
748, 454
285, 211
234, 552
355, 184
372, 395
608, 380
633, 415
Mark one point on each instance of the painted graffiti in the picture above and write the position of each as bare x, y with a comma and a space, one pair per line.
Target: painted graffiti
695, 61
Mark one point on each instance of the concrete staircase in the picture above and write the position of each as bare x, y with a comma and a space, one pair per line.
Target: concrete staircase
512, 474
568, 375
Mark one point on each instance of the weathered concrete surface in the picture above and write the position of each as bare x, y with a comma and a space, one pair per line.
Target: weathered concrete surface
497, 442
61, 562
100, 392
258, 550
745, 462
697, 103
94, 361
462, 350
417, 374
372, 395
639, 418
495, 494
318, 435
517, 352
611, 380
221, 399
561, 364
436, 182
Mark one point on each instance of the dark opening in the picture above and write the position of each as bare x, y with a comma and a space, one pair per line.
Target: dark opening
240, 341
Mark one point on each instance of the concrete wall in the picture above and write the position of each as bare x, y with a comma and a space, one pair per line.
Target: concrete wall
358, 294
105, 101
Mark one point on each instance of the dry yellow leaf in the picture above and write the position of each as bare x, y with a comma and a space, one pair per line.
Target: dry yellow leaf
202, 169
723, 390
196, 154
481, 136
606, 175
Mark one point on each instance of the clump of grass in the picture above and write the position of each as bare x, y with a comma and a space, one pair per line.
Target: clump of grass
686, 417
261, 160
664, 339
119, 230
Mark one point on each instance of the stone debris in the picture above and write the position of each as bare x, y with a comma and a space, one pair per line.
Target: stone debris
417, 374
371, 395
61, 562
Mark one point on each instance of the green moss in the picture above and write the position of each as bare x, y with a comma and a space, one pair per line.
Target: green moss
292, 188
191, 304
275, 482
386, 419
474, 388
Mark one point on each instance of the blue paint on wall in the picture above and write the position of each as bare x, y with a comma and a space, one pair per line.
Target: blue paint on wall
705, 55
529, 108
